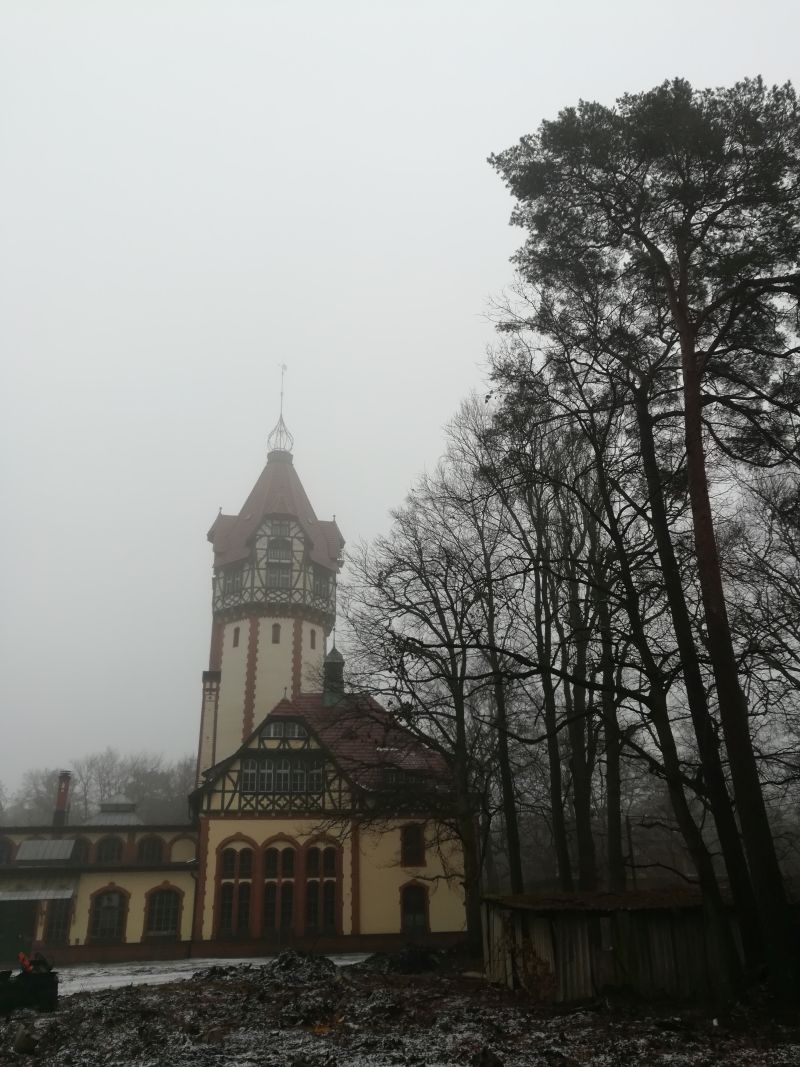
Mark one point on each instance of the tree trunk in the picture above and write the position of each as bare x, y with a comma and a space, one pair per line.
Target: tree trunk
544, 652
716, 788
613, 745
765, 872
575, 700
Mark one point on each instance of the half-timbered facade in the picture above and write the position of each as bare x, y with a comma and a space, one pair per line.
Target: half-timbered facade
313, 815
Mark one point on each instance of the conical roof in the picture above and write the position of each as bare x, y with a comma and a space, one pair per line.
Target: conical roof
278, 492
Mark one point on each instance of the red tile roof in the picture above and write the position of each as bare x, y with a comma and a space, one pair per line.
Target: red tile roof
278, 491
362, 738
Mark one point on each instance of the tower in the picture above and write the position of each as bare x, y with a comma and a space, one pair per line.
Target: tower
273, 603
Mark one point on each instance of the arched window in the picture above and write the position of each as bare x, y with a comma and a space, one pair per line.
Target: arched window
322, 890
109, 850
276, 633
163, 912
236, 872
279, 892
6, 850
414, 910
80, 852
150, 850
107, 918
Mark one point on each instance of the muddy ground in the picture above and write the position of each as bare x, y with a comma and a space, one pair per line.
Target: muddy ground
305, 1012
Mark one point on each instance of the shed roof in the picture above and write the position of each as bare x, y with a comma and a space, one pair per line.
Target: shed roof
635, 900
38, 851
37, 891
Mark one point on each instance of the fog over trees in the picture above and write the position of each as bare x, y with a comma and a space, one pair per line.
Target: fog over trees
590, 607
158, 787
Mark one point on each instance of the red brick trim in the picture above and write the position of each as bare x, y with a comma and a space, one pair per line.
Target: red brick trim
202, 878
248, 721
297, 657
217, 639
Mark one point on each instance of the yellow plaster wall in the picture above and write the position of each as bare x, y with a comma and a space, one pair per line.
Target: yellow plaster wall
273, 667
311, 676
182, 850
137, 884
380, 874
230, 713
382, 878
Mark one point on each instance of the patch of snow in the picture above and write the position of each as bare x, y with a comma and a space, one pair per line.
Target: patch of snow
91, 977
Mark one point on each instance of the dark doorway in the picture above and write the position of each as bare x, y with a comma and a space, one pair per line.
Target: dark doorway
17, 929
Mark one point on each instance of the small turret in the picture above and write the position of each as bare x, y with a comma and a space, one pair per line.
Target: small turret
333, 684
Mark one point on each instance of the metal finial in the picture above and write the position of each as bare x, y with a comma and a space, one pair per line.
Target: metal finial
280, 440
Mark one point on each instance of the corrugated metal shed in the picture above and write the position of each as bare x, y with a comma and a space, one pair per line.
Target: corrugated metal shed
45, 851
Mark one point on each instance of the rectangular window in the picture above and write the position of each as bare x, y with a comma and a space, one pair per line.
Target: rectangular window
287, 905
226, 908
236, 637
232, 581
249, 776
266, 776
279, 576
282, 777
412, 845
270, 898
279, 550
57, 926
279, 528
275, 728
321, 583
298, 778
243, 911
315, 777
329, 906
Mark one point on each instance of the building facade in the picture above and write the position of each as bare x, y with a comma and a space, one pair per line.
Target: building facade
312, 815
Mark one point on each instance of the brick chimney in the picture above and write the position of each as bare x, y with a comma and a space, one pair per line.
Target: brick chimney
62, 799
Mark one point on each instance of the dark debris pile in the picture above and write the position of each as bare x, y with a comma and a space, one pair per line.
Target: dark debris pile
301, 1011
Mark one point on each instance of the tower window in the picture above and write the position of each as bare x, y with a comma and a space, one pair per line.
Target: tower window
232, 581
236, 637
279, 528
313, 638
279, 576
276, 633
279, 549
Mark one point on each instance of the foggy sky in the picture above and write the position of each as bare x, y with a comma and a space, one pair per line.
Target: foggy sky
193, 193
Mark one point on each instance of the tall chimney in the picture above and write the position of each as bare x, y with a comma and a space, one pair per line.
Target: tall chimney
62, 799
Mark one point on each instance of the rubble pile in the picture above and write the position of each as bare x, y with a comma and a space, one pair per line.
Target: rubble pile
301, 1011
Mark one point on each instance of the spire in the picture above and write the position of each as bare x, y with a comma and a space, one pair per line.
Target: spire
280, 440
